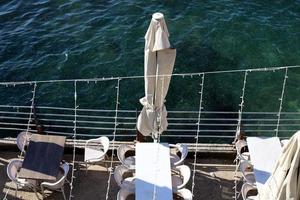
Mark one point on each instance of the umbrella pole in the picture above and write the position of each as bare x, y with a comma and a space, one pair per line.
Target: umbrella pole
156, 122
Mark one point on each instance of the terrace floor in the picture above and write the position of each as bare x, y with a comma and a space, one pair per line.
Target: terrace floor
213, 180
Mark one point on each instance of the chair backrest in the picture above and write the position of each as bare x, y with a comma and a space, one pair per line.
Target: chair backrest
246, 166
66, 167
105, 143
123, 194
12, 169
124, 178
247, 171
60, 182
246, 188
122, 151
185, 194
118, 174
103, 140
23, 140
185, 173
183, 149
240, 146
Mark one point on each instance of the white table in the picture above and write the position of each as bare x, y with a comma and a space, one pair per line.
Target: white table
153, 172
264, 153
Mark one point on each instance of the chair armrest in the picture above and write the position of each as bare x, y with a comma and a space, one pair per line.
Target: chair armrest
91, 140
47, 184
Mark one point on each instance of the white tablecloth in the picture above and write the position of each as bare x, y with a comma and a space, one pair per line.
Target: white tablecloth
264, 153
153, 172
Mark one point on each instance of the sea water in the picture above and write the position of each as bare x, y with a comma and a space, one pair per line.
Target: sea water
72, 39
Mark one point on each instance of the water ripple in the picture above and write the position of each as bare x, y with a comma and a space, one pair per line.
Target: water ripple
80, 39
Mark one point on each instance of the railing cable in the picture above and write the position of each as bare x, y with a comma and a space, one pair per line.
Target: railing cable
74, 140
198, 130
114, 138
281, 101
152, 76
238, 128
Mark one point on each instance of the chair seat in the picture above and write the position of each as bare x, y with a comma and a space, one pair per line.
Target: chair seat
22, 182
246, 155
92, 155
250, 178
129, 184
252, 198
174, 158
185, 194
59, 176
129, 161
176, 181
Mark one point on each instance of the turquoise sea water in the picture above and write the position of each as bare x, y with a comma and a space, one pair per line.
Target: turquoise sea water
60, 39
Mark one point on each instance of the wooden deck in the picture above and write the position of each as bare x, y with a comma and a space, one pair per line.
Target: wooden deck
213, 180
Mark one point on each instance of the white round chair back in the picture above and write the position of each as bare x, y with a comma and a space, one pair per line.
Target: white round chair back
182, 178
66, 168
175, 159
105, 142
247, 171
185, 194
12, 169
123, 194
240, 145
61, 178
126, 183
121, 153
59, 184
246, 188
93, 152
23, 139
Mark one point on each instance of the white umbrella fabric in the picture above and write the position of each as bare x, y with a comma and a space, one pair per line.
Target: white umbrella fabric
158, 66
284, 183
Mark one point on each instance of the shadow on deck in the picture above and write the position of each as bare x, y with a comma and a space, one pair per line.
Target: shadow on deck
213, 180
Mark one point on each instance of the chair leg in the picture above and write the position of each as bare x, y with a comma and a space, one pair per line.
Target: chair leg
105, 163
86, 167
63, 192
43, 193
16, 192
37, 196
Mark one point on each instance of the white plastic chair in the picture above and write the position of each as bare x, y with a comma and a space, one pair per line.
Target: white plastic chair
240, 145
185, 194
23, 139
12, 170
246, 188
247, 172
124, 178
59, 183
121, 152
175, 159
93, 151
241, 155
123, 194
181, 177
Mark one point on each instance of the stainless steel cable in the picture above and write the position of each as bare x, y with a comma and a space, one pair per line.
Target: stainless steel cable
281, 101
198, 130
74, 141
114, 138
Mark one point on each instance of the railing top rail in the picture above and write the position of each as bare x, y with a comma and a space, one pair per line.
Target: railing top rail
134, 111
142, 76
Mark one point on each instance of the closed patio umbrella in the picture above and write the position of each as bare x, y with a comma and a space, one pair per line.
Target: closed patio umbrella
284, 183
159, 61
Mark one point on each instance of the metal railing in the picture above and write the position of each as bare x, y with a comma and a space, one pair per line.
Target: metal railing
214, 126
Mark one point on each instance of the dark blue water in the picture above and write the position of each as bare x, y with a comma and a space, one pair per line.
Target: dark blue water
41, 40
